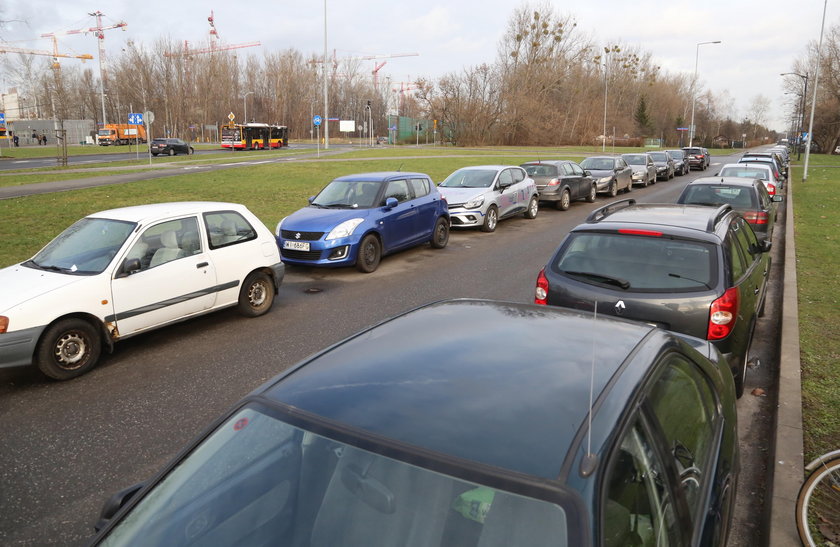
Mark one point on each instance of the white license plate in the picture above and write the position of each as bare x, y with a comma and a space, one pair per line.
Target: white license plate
296, 245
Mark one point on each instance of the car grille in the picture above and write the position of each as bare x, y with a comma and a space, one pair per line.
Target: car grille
300, 255
304, 236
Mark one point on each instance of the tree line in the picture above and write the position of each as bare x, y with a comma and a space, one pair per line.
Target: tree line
549, 84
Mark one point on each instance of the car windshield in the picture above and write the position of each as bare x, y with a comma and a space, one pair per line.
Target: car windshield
638, 263
659, 156
343, 194
84, 248
258, 480
676, 154
539, 170
598, 164
635, 159
744, 172
738, 197
470, 178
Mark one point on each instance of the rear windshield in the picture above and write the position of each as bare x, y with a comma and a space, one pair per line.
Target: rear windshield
738, 197
638, 263
744, 172
540, 170
693, 151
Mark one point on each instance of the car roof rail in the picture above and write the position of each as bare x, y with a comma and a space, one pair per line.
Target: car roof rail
721, 211
601, 212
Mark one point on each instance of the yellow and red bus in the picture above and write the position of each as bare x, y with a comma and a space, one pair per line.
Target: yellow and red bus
254, 136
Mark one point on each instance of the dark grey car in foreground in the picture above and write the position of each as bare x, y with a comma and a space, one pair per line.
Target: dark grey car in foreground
687, 268
472, 431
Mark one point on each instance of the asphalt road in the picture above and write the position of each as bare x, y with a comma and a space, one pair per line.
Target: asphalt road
82, 160
67, 446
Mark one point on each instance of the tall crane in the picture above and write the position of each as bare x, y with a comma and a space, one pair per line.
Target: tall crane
99, 32
54, 53
214, 43
376, 68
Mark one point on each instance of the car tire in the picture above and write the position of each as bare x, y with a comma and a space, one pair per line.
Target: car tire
741, 376
256, 295
190, 151
564, 202
171, 152
533, 208
440, 235
370, 253
629, 188
67, 349
613, 189
593, 191
491, 219
154, 154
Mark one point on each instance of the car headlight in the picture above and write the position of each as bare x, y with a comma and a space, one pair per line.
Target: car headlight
344, 229
604, 179
277, 230
475, 202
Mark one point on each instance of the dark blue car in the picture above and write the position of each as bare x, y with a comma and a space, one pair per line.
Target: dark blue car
460, 424
356, 219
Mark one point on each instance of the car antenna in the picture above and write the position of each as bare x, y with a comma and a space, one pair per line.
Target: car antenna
590, 460
400, 167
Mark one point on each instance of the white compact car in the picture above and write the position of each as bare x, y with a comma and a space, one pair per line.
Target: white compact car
121, 272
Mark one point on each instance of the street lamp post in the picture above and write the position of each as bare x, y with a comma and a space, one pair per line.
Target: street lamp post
814, 100
691, 128
800, 118
326, 96
245, 106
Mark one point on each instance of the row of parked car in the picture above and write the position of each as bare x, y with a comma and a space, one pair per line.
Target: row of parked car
421, 440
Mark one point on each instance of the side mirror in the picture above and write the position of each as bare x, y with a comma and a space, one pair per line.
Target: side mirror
310, 199
115, 503
390, 203
129, 266
587, 172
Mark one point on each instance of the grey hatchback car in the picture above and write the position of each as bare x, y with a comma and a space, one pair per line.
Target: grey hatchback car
687, 268
561, 182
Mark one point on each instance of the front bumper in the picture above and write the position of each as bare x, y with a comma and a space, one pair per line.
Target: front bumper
466, 218
332, 253
639, 177
18, 347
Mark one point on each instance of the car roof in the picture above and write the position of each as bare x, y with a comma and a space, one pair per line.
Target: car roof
545, 162
728, 181
496, 167
474, 379
694, 221
380, 176
141, 213
601, 157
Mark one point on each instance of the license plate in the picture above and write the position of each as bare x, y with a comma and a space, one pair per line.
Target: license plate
296, 245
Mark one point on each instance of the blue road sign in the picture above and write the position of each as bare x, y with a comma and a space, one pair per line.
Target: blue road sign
2, 117
317, 120
135, 119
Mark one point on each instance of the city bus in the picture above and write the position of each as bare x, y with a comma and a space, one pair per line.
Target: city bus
254, 136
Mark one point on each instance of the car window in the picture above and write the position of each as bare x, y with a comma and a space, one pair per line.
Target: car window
576, 169
686, 411
518, 175
396, 189
165, 242
567, 169
506, 177
85, 248
420, 187
647, 264
746, 240
638, 507
620, 163
541, 170
227, 228
258, 480
737, 261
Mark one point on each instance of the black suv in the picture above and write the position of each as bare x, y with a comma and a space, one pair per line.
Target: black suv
170, 146
698, 157
687, 268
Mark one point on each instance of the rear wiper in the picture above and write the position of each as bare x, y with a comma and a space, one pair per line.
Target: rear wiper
601, 278
678, 276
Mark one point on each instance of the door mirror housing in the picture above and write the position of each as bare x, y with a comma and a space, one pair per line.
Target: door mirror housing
129, 266
390, 203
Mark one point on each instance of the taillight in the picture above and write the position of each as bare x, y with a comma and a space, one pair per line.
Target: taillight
722, 315
4, 324
633, 232
541, 294
554, 182
756, 217
771, 188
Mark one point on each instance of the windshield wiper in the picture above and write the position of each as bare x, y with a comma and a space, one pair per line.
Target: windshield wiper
678, 276
336, 205
601, 278
49, 268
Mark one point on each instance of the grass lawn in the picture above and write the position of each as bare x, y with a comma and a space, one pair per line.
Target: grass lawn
817, 226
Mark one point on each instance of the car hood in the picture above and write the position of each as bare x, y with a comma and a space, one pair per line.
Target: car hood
316, 219
23, 284
455, 196
601, 173
639, 168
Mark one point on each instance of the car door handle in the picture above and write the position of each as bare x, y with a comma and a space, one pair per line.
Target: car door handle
202, 265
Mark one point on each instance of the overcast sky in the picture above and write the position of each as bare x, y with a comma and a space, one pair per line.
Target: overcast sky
760, 38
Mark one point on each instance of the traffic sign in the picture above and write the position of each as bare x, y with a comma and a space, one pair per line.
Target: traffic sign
682, 129
149, 116
135, 118
316, 120
2, 117
231, 117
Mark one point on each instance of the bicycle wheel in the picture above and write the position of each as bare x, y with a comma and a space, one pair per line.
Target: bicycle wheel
818, 506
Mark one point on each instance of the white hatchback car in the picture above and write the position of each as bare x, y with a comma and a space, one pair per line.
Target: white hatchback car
122, 272
484, 194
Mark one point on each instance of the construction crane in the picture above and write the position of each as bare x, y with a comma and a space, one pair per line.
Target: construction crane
404, 86
99, 32
54, 53
214, 43
376, 67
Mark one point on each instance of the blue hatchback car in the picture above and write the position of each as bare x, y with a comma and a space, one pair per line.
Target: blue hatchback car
356, 219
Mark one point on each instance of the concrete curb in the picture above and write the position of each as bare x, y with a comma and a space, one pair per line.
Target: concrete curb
787, 453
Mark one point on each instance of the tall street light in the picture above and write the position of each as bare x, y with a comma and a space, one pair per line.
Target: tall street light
691, 128
245, 105
801, 116
814, 100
